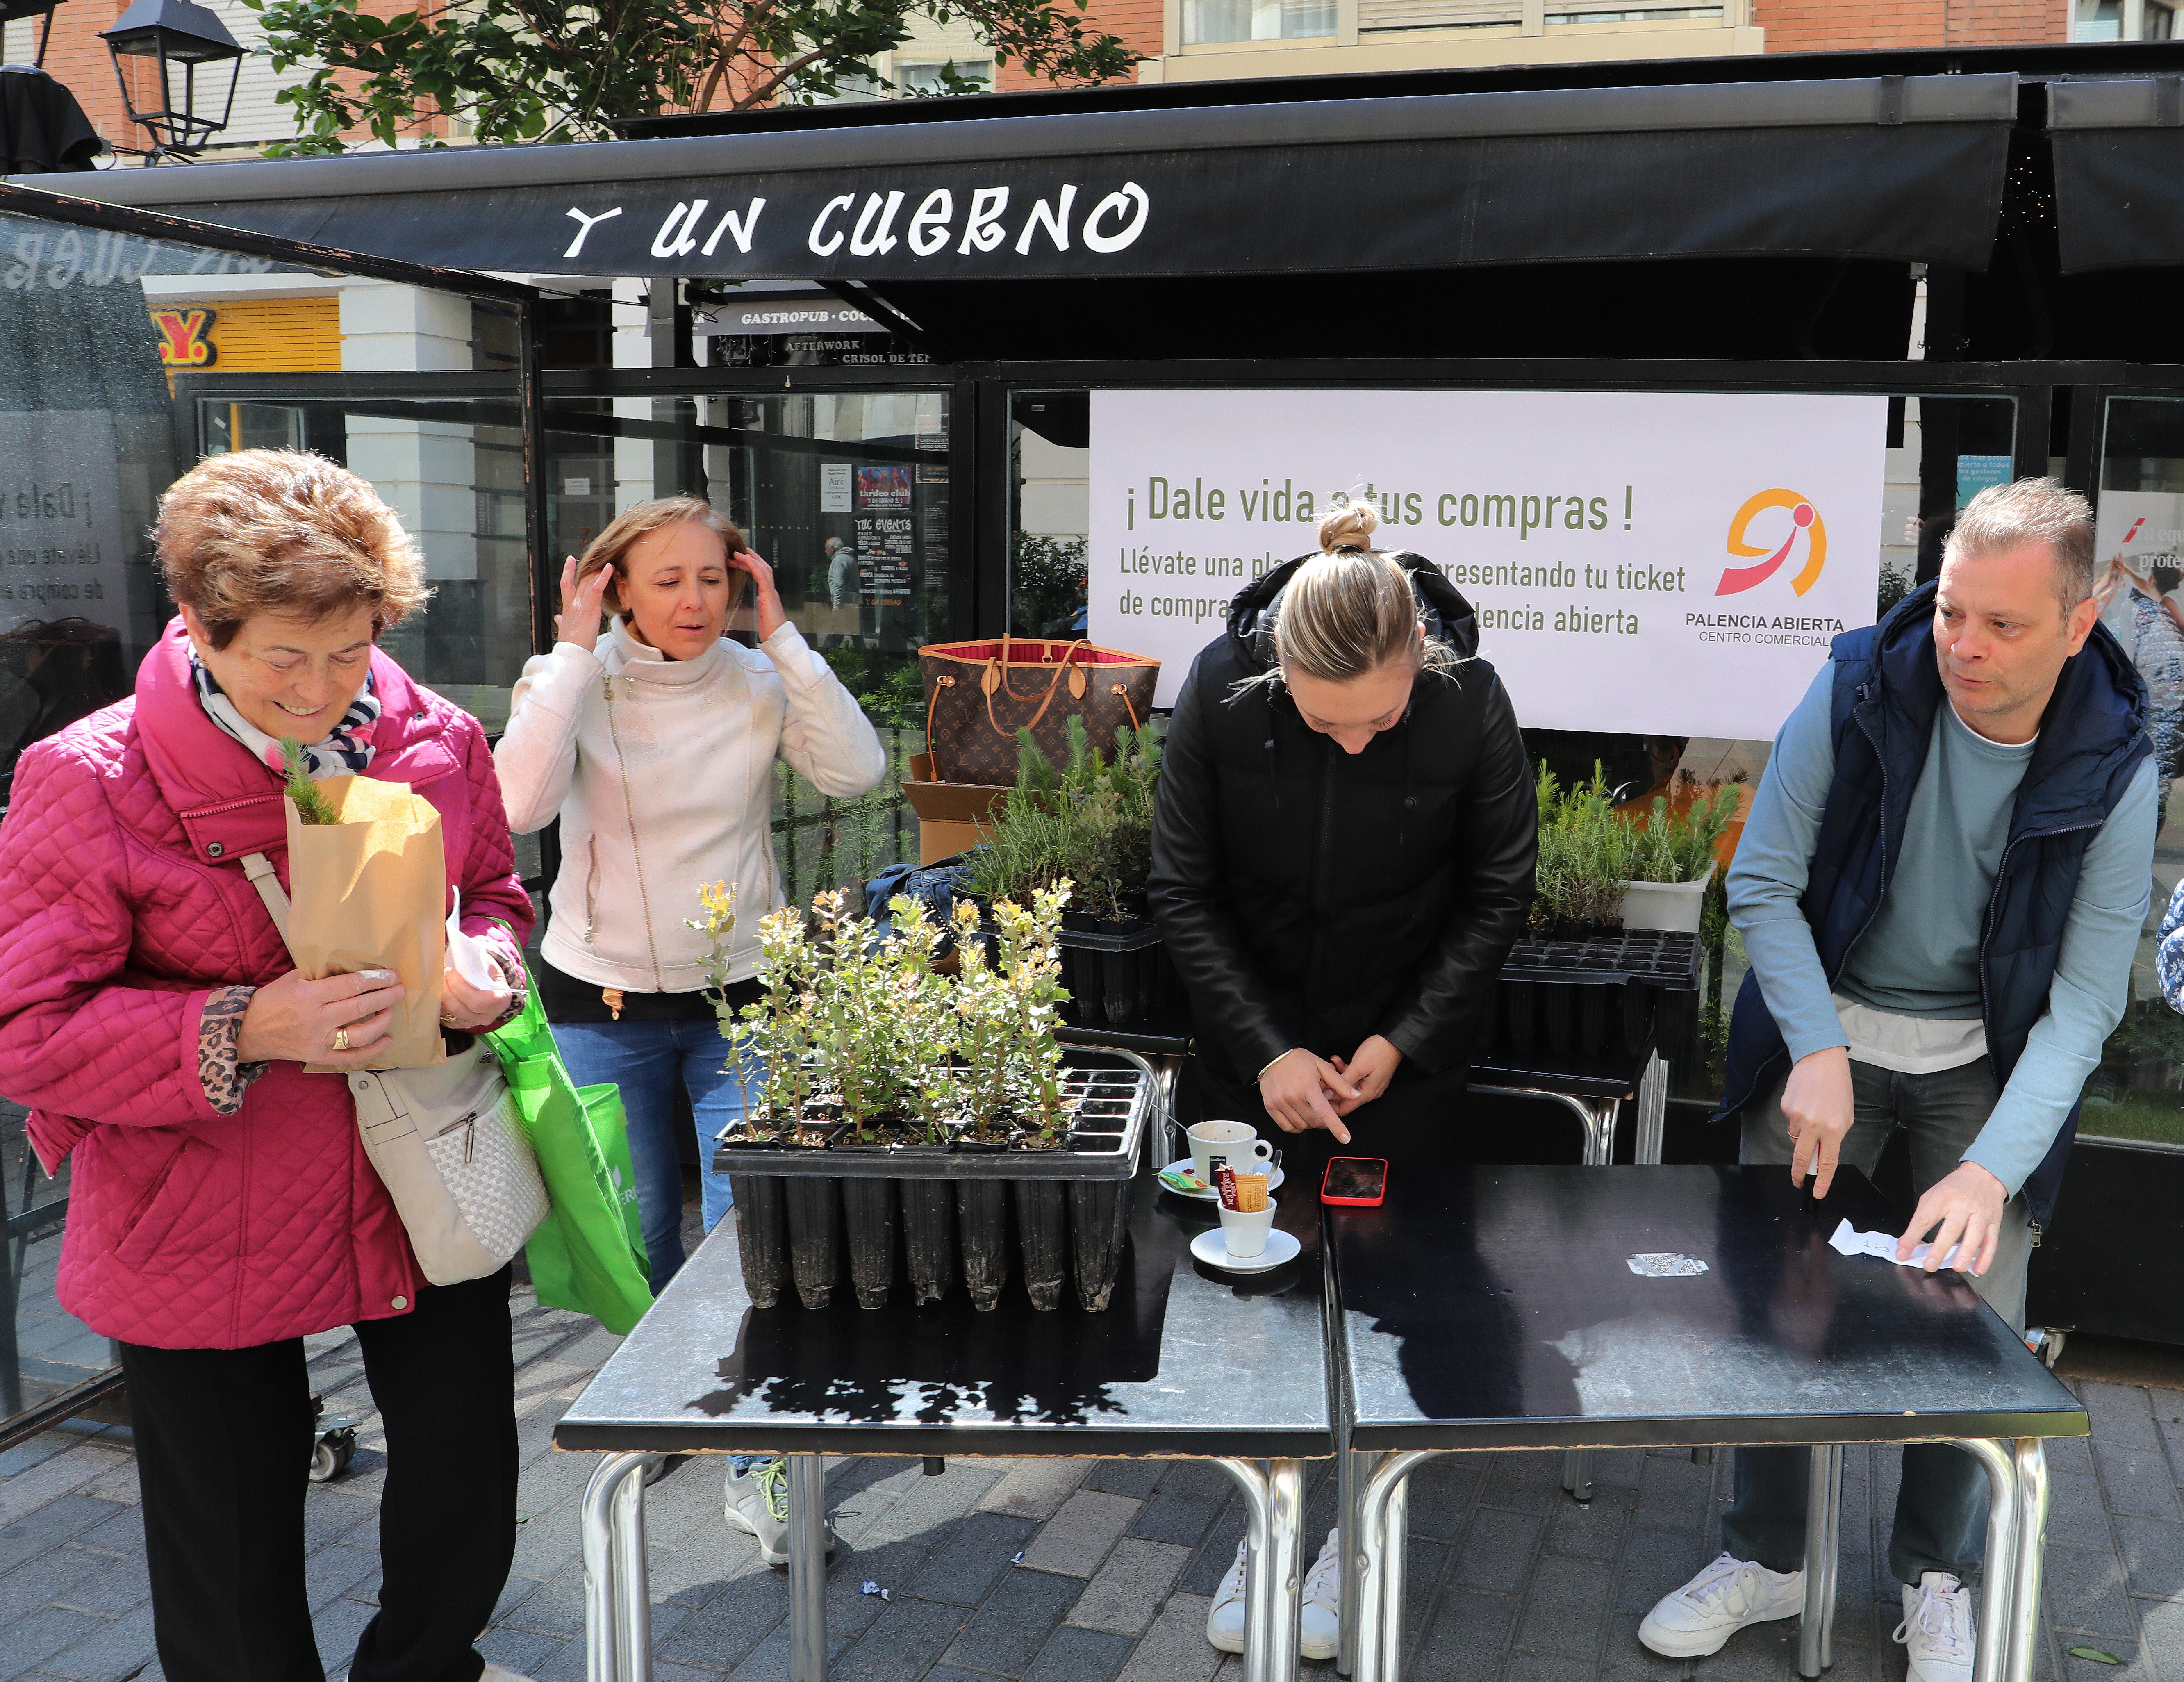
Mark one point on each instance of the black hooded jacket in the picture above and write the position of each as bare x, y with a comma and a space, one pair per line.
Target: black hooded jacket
1311, 897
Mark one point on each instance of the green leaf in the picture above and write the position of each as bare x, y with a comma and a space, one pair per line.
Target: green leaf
2096, 1655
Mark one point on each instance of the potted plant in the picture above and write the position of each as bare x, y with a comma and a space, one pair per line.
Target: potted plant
936, 1085
1672, 855
1601, 952
1090, 824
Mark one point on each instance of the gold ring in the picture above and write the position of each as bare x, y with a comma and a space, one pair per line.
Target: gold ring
341, 1039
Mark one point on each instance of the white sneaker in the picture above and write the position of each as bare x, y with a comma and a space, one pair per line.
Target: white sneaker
1319, 1623
757, 1500
1700, 1616
1936, 1630
1225, 1618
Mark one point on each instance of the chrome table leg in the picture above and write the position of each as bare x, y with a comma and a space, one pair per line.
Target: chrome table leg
1989, 1663
1823, 1549
807, 1568
1652, 1110
617, 1603
1352, 1470
2030, 1562
1380, 1587
1273, 1568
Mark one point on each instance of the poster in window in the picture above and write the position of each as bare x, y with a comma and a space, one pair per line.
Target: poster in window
886, 533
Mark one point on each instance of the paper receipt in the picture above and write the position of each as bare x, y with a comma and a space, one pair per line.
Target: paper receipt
1658, 1264
1849, 1241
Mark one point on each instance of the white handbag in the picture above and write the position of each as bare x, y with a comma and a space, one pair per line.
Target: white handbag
447, 1144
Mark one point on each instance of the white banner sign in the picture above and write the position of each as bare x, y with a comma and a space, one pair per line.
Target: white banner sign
1664, 564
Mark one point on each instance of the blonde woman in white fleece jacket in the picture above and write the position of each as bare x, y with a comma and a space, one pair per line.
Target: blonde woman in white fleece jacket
654, 742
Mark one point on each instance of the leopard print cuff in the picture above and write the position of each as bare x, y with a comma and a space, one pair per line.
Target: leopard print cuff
224, 1078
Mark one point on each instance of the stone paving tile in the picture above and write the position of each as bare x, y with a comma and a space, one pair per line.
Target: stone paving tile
1187, 1501
1009, 1630
1074, 1541
1129, 1587
1080, 1655
1496, 1551
1034, 1489
1174, 1649
2137, 1481
34, 1639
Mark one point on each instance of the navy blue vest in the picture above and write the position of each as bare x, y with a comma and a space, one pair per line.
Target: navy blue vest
1886, 693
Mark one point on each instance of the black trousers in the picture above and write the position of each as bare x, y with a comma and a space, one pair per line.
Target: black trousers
223, 1455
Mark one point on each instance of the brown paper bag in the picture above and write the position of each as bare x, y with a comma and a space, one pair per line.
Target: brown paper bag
372, 892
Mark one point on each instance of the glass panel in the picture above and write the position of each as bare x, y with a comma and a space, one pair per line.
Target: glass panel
846, 494
96, 329
1941, 452
2138, 1091
453, 470
1207, 21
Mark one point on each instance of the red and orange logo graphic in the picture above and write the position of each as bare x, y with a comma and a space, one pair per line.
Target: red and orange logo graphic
1803, 517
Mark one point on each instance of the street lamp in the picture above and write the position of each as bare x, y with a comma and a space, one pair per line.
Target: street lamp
174, 33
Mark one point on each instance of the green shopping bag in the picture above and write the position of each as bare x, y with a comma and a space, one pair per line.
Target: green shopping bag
589, 1254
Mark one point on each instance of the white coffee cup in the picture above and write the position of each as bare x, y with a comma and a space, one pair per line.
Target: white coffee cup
1212, 1144
1244, 1236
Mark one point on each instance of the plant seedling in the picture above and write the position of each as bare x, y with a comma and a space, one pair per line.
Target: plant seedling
311, 806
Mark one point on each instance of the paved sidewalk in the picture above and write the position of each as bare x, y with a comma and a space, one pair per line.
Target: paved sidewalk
1510, 1578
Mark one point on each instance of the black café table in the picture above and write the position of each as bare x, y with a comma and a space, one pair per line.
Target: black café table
1184, 1362
1495, 1308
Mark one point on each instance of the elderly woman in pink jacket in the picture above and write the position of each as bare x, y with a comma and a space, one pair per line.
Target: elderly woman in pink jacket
221, 1205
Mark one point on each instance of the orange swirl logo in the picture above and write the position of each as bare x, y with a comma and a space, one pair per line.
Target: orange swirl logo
1803, 517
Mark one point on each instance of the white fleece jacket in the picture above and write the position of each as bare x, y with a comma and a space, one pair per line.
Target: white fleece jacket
661, 772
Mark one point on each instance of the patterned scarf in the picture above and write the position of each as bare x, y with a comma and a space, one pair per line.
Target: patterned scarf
346, 749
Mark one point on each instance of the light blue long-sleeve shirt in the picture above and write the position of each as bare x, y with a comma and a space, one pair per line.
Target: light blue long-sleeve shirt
2092, 984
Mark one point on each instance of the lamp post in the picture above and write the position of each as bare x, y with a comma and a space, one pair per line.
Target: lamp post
174, 33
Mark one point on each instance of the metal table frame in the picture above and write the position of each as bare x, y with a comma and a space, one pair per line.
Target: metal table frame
1374, 1510
618, 1606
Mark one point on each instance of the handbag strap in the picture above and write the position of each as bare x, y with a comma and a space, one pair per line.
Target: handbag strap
932, 702
1053, 687
267, 881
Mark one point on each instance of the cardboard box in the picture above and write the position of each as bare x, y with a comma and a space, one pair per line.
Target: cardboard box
948, 813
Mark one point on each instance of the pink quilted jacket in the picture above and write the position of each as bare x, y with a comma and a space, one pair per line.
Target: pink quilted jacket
122, 907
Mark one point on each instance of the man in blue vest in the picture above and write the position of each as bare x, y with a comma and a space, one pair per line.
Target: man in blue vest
1941, 889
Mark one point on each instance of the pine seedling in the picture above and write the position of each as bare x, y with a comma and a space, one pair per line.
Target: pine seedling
311, 806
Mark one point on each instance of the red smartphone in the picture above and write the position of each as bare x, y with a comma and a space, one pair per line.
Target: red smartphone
1355, 1182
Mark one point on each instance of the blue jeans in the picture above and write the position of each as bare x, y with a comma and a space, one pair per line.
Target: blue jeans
645, 1059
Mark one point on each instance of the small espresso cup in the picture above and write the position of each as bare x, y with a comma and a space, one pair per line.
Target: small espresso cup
1214, 1144
1244, 1236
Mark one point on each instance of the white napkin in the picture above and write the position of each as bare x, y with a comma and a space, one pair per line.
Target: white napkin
1849, 1241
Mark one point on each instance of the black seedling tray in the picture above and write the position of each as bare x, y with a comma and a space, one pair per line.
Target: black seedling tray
1657, 957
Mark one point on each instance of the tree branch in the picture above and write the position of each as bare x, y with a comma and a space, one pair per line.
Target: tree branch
752, 13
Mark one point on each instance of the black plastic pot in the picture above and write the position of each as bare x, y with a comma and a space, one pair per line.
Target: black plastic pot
815, 1236
928, 1237
868, 1219
1099, 1233
762, 1236
1042, 1235
982, 1208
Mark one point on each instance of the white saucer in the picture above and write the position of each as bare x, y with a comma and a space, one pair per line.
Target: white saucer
1210, 1248
1208, 1195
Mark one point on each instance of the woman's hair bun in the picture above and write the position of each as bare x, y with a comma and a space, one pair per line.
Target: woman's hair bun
1349, 528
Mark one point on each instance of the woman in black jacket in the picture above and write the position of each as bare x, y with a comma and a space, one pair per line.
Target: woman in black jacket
1344, 847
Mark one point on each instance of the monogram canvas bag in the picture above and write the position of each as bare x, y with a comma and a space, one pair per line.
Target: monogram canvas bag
446, 1142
